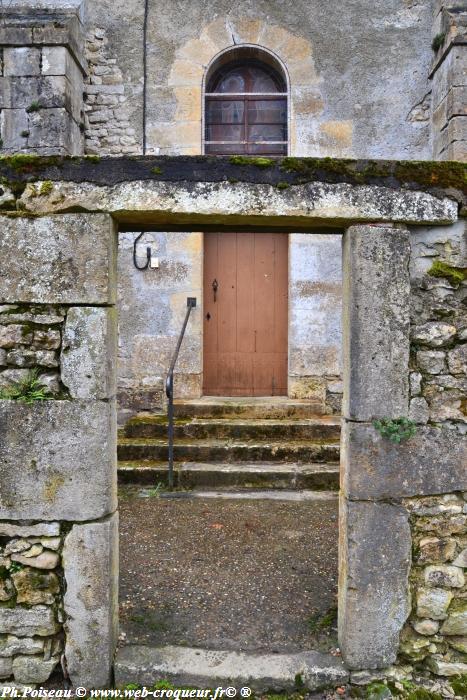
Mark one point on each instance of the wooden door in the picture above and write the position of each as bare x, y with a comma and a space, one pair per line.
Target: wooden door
245, 319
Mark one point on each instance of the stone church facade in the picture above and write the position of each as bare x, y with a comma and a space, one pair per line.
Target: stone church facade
352, 146
130, 79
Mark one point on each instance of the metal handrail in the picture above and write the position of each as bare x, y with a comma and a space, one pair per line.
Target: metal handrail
169, 389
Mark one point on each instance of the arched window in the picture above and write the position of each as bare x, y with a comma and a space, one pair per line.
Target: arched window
246, 106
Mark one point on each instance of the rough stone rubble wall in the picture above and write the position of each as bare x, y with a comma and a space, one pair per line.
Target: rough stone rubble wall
436, 634
58, 520
416, 489
108, 125
31, 600
41, 83
449, 78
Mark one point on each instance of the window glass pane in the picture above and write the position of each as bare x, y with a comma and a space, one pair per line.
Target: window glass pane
224, 112
267, 132
224, 132
234, 81
260, 81
267, 111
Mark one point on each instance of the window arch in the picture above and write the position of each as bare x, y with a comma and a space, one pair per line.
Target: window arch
246, 105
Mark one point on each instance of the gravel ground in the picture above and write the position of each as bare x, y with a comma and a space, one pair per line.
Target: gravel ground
256, 576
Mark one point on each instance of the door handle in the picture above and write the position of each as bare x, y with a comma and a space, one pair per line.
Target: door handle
215, 287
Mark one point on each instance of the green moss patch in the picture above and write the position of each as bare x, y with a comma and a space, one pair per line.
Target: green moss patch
259, 162
455, 275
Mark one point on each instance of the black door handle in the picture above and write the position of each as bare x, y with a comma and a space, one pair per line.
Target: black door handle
215, 287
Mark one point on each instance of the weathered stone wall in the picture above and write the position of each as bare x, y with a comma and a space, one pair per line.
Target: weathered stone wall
41, 81
108, 128
404, 355
449, 79
320, 124
438, 381
31, 339
58, 521
152, 306
315, 310
339, 91
31, 601
436, 634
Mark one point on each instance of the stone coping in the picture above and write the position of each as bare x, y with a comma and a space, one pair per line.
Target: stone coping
435, 177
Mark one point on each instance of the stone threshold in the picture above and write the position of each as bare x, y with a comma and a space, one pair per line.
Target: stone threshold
204, 668
250, 495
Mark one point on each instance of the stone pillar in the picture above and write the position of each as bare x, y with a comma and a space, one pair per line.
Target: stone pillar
449, 75
374, 535
58, 448
41, 82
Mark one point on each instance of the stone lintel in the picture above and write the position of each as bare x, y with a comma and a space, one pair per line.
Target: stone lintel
90, 563
376, 291
259, 205
431, 462
58, 460
374, 599
67, 259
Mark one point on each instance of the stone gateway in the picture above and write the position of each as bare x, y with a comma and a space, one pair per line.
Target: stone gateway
312, 196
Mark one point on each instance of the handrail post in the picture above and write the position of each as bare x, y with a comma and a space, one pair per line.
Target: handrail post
169, 390
170, 415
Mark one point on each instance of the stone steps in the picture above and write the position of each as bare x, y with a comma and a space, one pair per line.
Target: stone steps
155, 426
226, 451
194, 475
266, 408
269, 443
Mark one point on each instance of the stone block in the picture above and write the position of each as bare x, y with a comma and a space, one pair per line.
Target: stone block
373, 587
51, 131
447, 668
35, 588
65, 259
419, 411
431, 462
456, 624
457, 360
436, 549
28, 622
433, 603
89, 353
444, 575
58, 460
14, 35
11, 645
461, 560
90, 562
14, 122
54, 60
33, 669
39, 530
47, 91
21, 60
426, 627
6, 667
376, 294
452, 72
431, 361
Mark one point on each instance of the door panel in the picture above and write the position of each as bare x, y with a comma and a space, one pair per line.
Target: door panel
245, 328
